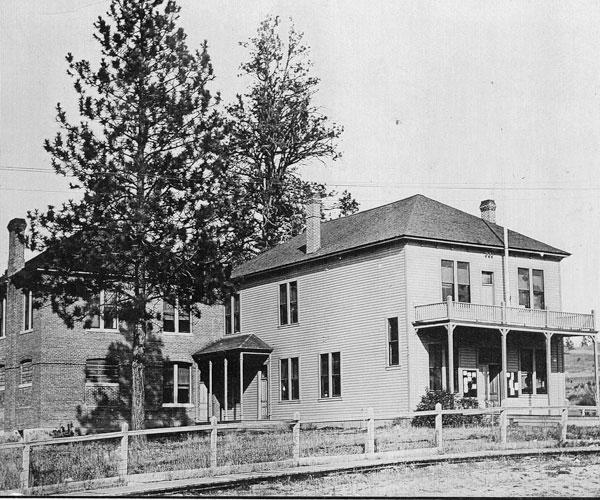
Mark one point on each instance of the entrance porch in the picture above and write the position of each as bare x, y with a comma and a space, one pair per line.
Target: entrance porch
235, 371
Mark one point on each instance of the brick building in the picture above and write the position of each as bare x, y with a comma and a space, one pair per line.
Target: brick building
52, 375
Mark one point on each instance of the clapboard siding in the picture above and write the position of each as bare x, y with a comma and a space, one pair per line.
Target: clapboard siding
551, 279
343, 306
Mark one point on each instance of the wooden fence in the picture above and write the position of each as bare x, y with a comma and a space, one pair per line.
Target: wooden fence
214, 427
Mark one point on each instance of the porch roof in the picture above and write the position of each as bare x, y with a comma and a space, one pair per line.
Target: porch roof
235, 343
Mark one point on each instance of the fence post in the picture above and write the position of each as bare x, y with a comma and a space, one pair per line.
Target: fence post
213, 441
370, 443
438, 426
503, 426
296, 438
24, 483
564, 418
124, 459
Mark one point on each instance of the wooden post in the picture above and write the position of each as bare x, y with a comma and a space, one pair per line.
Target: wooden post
564, 418
213, 442
503, 312
296, 437
210, 390
503, 426
548, 365
596, 376
24, 480
449, 306
370, 442
225, 388
450, 327
124, 455
504, 379
438, 427
241, 385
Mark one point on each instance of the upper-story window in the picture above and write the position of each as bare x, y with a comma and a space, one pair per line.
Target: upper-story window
2, 318
288, 303
232, 314
106, 317
393, 342
27, 311
531, 288
456, 281
176, 319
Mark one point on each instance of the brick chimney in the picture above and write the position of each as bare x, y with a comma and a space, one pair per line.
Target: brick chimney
313, 224
488, 210
16, 245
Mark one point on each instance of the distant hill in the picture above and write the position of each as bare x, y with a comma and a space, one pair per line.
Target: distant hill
579, 374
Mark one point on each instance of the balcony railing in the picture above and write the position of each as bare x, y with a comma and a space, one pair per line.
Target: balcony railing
502, 315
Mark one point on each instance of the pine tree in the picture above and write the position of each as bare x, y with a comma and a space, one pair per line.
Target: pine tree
148, 154
277, 129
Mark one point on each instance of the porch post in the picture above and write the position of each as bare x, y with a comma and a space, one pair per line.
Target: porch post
503, 335
450, 327
548, 363
269, 374
597, 375
210, 390
241, 385
225, 377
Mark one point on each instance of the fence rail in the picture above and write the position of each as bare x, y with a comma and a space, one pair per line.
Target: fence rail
214, 428
503, 315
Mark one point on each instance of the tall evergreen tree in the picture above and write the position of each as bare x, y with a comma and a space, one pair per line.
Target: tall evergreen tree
148, 154
277, 129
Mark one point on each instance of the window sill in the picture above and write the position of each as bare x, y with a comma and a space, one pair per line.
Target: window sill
393, 367
290, 401
26, 331
334, 398
102, 330
3, 337
178, 405
23, 386
102, 384
290, 325
178, 334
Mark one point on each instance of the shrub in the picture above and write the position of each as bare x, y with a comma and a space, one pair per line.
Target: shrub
449, 401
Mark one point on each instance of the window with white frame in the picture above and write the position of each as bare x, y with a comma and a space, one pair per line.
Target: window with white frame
232, 314
288, 303
290, 379
3, 318
456, 281
437, 366
531, 288
331, 375
176, 383
176, 319
26, 373
2, 377
534, 376
393, 342
105, 307
27, 310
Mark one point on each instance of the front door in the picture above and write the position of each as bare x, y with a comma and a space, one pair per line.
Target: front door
264, 394
491, 382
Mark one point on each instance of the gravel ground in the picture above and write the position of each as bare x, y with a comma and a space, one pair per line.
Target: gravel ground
568, 476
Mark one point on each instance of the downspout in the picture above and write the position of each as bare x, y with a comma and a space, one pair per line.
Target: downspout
506, 280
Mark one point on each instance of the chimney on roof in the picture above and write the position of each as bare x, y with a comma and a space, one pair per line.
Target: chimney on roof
16, 245
313, 224
488, 210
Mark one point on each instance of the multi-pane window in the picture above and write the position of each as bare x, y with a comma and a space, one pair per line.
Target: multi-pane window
2, 377
330, 375
176, 383
436, 367
232, 314
288, 303
534, 379
176, 319
100, 371
290, 379
531, 288
26, 372
27, 310
456, 281
105, 315
393, 342
2, 318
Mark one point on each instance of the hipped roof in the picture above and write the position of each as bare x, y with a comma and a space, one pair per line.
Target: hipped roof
416, 217
235, 343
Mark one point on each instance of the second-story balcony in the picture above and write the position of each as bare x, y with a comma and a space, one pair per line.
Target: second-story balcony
506, 317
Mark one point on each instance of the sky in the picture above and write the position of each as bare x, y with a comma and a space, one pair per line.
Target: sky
460, 101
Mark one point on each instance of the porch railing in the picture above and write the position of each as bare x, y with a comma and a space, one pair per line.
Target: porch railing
502, 315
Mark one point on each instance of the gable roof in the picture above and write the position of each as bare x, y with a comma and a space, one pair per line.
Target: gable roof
416, 217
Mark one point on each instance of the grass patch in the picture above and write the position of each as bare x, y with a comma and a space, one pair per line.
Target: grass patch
343, 439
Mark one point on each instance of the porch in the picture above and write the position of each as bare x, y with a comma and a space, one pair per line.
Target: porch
501, 355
